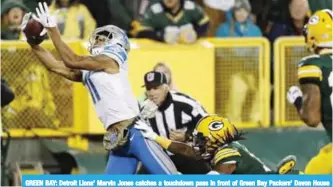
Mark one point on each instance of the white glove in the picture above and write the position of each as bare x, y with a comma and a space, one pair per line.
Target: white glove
294, 93
187, 34
44, 17
171, 34
25, 20
147, 131
149, 109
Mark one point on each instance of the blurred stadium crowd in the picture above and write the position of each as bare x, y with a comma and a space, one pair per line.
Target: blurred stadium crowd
228, 18
170, 21
184, 21
166, 21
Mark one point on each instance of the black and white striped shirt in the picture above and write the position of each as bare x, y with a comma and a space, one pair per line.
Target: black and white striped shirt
178, 111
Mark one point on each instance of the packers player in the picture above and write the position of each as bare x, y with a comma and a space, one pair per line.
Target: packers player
314, 100
215, 140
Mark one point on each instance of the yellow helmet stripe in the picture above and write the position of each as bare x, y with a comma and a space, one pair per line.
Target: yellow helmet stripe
225, 151
329, 12
222, 152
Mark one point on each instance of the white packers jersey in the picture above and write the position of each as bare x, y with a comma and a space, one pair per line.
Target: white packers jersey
111, 93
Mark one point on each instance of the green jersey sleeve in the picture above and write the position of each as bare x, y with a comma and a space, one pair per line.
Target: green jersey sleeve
309, 70
226, 155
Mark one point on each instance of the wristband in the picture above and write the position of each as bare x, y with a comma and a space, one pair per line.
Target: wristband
164, 142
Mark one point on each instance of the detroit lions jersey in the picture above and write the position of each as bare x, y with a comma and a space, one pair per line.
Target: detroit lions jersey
111, 93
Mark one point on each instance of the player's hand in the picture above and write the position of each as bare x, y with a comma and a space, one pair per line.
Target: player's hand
147, 131
187, 34
177, 135
171, 34
32, 40
44, 17
293, 94
25, 20
149, 109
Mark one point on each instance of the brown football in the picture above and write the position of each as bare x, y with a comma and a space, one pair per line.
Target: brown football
33, 28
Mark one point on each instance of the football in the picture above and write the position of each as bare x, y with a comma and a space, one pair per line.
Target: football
33, 28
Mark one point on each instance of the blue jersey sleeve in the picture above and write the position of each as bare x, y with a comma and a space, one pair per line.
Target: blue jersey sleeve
115, 52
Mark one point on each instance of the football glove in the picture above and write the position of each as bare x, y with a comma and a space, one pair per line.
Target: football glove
44, 17
293, 94
147, 131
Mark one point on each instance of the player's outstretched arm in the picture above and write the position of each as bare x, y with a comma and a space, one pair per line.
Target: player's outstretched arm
180, 148
50, 23
70, 59
172, 146
310, 111
46, 57
66, 53
307, 100
48, 60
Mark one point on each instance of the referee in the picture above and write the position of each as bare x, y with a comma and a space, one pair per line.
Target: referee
176, 118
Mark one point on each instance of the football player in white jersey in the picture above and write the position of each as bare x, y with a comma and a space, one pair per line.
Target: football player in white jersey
105, 75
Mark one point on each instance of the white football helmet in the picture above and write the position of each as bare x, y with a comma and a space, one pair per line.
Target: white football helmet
109, 34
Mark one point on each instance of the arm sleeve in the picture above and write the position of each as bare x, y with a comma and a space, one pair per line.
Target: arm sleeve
308, 72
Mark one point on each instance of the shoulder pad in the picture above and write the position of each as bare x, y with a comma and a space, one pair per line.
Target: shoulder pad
115, 52
189, 5
114, 48
156, 8
309, 57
